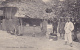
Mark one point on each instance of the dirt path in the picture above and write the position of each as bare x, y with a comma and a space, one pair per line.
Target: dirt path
12, 42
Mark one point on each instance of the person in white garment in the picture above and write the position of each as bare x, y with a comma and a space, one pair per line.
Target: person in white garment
69, 27
49, 29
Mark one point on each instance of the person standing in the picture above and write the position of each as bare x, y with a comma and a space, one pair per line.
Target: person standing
76, 26
61, 28
55, 24
69, 27
49, 29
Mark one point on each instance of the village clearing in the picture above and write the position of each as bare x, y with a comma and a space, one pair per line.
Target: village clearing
12, 42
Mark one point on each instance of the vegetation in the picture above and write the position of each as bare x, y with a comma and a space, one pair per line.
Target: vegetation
45, 10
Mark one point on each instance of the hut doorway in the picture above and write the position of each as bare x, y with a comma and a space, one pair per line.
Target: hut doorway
30, 26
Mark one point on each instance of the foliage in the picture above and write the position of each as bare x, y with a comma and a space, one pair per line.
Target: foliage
32, 9
37, 8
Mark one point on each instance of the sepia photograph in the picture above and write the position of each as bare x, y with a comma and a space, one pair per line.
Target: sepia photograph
39, 24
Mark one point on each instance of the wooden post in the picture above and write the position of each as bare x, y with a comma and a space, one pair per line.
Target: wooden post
11, 13
58, 26
20, 27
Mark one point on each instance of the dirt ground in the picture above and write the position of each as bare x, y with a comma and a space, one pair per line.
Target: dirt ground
12, 42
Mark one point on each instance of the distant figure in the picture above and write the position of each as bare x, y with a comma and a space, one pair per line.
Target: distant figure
76, 26
69, 27
55, 24
49, 29
61, 28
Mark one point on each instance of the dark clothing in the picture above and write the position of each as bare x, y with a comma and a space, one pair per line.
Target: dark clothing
61, 29
55, 24
76, 28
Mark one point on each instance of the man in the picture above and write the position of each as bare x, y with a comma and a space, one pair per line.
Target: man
55, 24
69, 27
61, 28
76, 28
49, 29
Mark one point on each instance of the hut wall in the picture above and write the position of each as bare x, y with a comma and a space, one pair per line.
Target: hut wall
31, 29
8, 22
30, 26
9, 12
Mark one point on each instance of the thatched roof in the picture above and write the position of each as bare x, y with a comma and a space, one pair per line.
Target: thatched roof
32, 9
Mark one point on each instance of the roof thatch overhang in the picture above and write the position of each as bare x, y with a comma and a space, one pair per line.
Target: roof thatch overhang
32, 10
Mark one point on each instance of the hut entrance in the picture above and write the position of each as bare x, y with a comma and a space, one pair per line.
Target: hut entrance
30, 26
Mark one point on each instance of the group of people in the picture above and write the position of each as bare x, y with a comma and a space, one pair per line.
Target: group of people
67, 31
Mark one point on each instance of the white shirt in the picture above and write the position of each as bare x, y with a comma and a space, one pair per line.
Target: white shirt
69, 27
